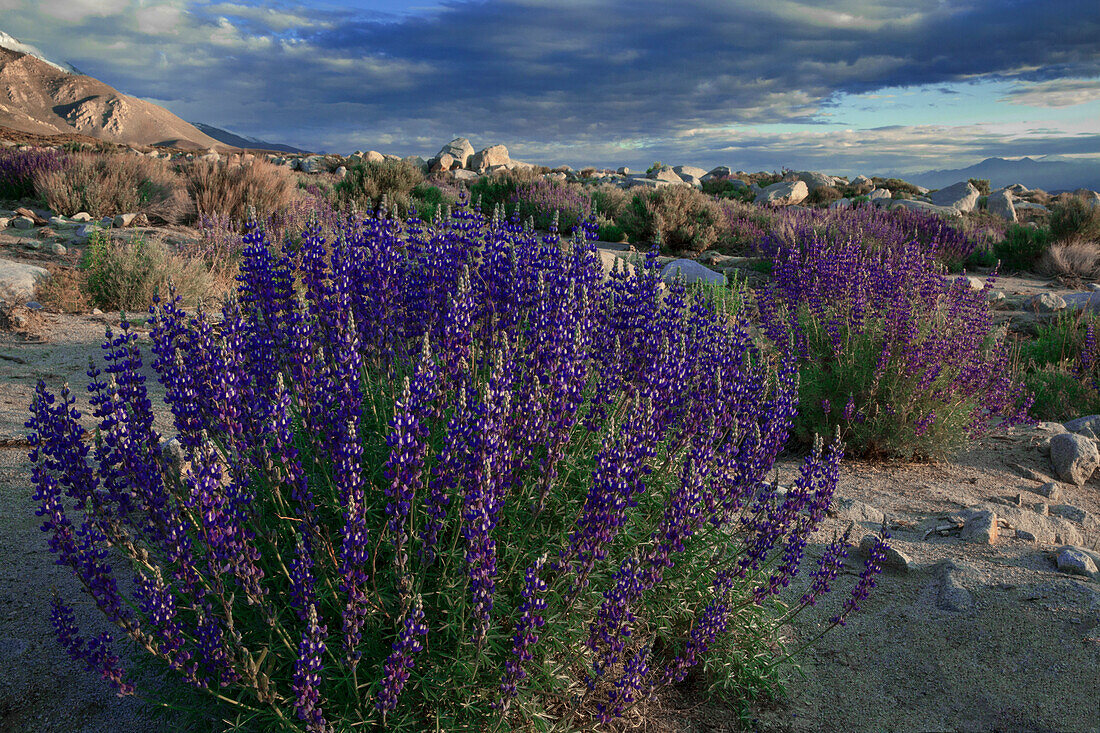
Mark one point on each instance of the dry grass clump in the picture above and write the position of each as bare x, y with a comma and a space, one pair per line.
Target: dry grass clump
63, 290
1076, 259
128, 275
366, 184
229, 191
1073, 218
106, 185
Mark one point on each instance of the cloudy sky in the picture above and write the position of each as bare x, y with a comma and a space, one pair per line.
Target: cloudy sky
842, 85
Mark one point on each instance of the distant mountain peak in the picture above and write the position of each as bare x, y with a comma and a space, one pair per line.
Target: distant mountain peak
12, 43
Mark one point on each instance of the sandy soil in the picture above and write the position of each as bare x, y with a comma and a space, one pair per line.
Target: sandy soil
1022, 654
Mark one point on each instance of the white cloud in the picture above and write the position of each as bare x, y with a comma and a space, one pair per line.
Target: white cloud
1056, 93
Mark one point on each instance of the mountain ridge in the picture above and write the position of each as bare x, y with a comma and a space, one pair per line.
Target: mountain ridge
1049, 173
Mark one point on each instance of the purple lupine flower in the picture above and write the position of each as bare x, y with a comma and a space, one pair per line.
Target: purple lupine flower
95, 653
827, 568
401, 660
307, 675
872, 566
529, 621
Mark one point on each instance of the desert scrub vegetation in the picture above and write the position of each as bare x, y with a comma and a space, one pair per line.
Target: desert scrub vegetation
238, 192
106, 185
1061, 365
1075, 219
680, 218
1022, 248
129, 275
898, 358
429, 513
19, 168
1075, 259
367, 183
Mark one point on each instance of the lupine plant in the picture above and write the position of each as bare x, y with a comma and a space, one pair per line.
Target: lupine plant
432, 477
900, 358
544, 199
18, 169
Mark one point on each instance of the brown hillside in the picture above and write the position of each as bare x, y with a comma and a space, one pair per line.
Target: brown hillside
37, 98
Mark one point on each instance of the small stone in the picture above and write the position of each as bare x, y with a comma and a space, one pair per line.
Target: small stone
1076, 561
1073, 457
1051, 490
691, 271
22, 222
975, 283
895, 558
1041, 508
1023, 534
83, 217
859, 511
96, 312
33, 305
1083, 425
981, 526
1047, 303
1068, 511
124, 220
952, 595
60, 222
54, 248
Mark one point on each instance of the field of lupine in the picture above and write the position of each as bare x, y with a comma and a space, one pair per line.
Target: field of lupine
450, 474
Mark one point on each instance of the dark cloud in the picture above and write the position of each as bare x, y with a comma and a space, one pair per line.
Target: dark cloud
551, 76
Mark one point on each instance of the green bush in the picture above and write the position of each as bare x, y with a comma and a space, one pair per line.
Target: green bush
129, 275
982, 184
500, 189
1073, 219
611, 233
684, 220
428, 201
824, 195
729, 188
1060, 394
367, 182
609, 201
1022, 247
896, 184
1050, 366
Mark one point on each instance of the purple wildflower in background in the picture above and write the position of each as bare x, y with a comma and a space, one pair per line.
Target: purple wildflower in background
525, 637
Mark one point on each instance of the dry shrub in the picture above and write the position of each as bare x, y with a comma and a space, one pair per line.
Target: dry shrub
224, 190
686, 221
609, 201
63, 291
366, 183
1073, 217
106, 185
128, 275
824, 195
1078, 258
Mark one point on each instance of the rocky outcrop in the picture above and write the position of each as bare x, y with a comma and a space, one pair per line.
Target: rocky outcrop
1073, 457
18, 281
458, 150
490, 157
960, 196
1000, 204
784, 193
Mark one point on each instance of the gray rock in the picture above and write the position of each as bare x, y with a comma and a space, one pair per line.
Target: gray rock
862, 180
1070, 512
1076, 561
490, 156
975, 283
1073, 457
880, 193
980, 526
923, 206
960, 196
841, 204
815, 180
18, 281
60, 222
691, 271
664, 173
1024, 535
721, 171
341, 172
952, 596
1046, 303
22, 222
623, 170
999, 203
1030, 206
688, 172
54, 248
1051, 490
124, 220
895, 558
459, 149
1083, 301
859, 511
784, 193
1090, 423
465, 175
